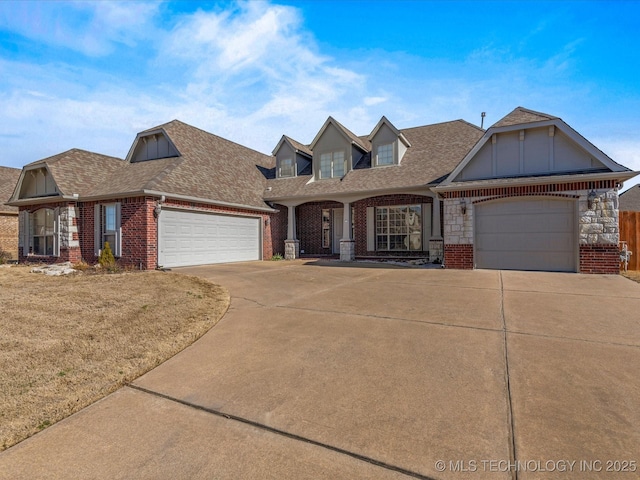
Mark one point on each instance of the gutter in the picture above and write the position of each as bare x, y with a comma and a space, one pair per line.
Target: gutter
516, 182
137, 193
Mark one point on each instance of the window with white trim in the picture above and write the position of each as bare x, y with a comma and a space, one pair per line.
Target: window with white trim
287, 167
332, 165
107, 228
42, 240
399, 228
385, 154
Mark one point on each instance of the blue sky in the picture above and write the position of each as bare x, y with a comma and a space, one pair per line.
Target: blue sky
92, 74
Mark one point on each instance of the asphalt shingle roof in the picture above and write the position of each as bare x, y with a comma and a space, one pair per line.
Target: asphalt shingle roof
8, 179
630, 199
209, 167
435, 151
79, 171
522, 115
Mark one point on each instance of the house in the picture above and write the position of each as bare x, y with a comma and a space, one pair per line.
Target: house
8, 214
630, 200
528, 193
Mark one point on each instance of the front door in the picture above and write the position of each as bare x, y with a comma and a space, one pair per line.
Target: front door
337, 229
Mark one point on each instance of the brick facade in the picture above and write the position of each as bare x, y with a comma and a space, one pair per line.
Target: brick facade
140, 230
9, 234
599, 258
309, 225
458, 256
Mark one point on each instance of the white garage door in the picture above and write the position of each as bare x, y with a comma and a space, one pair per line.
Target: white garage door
526, 234
189, 238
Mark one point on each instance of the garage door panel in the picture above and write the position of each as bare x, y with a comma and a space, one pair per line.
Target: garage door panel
526, 234
189, 238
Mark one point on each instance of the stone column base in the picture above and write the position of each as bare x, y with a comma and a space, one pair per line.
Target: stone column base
436, 250
347, 250
291, 249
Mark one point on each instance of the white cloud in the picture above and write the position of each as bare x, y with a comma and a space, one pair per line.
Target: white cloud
91, 28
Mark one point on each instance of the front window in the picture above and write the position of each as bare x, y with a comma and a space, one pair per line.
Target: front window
399, 228
332, 165
287, 167
109, 225
42, 226
385, 154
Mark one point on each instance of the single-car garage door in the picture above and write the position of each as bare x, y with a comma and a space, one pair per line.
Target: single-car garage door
526, 234
193, 238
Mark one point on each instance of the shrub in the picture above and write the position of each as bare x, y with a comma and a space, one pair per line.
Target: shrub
106, 258
276, 257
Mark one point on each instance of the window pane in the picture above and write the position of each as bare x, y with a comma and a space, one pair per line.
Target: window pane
109, 218
385, 154
325, 165
338, 164
286, 167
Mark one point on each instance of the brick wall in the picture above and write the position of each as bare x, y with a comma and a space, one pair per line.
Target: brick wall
458, 256
309, 224
276, 232
602, 258
9, 234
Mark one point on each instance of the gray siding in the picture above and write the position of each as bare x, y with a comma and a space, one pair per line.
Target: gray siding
153, 147
330, 141
533, 151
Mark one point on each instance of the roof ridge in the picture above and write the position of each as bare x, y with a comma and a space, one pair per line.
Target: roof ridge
214, 135
153, 182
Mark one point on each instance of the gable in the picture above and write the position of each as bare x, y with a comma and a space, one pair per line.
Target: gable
153, 146
37, 182
530, 151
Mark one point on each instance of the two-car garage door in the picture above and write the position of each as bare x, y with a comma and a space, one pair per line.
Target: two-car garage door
194, 238
527, 233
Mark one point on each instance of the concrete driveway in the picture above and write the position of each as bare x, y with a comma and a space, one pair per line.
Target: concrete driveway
326, 370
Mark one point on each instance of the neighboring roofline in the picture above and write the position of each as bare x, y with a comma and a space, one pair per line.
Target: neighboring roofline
540, 180
556, 122
342, 131
147, 133
385, 120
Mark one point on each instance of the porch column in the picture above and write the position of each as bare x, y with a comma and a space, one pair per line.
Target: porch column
347, 244
291, 244
436, 242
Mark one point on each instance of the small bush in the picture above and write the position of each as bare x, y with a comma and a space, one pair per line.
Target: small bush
277, 256
81, 266
107, 260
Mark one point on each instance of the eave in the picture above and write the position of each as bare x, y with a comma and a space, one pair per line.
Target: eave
540, 180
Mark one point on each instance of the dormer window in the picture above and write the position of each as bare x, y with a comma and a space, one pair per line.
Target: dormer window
385, 154
332, 165
287, 167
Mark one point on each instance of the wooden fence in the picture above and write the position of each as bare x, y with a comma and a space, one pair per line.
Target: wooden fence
630, 233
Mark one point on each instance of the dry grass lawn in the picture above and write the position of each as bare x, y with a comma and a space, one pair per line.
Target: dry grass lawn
68, 341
